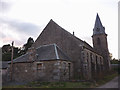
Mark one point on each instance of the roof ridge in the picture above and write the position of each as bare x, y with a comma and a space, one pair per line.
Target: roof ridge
56, 52
45, 45
62, 51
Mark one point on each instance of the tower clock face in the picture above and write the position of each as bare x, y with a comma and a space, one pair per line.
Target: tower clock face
98, 29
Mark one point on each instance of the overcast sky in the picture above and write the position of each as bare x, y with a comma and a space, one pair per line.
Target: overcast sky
21, 19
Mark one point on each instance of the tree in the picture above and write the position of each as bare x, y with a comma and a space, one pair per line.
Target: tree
6, 50
114, 61
29, 43
110, 54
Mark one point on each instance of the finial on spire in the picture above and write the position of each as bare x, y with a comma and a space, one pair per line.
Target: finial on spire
97, 14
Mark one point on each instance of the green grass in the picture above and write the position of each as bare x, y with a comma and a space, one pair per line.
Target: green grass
60, 84
53, 85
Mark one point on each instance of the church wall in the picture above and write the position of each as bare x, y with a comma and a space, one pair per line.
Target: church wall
64, 41
92, 64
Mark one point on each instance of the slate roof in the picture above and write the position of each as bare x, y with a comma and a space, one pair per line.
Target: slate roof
23, 58
50, 52
76, 39
4, 64
98, 27
53, 26
44, 52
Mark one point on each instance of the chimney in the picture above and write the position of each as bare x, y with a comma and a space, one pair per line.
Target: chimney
73, 33
31, 52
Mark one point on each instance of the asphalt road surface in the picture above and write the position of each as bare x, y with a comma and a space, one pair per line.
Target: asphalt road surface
112, 84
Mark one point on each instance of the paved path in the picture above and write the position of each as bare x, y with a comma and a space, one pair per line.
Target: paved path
112, 84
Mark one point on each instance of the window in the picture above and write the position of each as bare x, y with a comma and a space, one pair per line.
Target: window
98, 41
87, 57
69, 66
96, 59
64, 65
98, 29
91, 57
39, 66
100, 60
83, 55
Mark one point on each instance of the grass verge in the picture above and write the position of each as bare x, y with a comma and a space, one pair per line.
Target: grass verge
106, 79
74, 84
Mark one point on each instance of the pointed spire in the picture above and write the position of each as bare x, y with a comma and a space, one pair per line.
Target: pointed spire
98, 21
98, 27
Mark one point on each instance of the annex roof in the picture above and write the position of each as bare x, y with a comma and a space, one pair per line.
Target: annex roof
4, 64
50, 52
44, 52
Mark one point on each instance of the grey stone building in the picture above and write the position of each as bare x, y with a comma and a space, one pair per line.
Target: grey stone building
45, 63
74, 47
58, 55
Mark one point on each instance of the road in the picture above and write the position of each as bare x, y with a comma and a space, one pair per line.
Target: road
112, 84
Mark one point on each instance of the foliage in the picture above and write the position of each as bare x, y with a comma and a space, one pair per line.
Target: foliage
6, 50
6, 56
114, 61
29, 43
6, 53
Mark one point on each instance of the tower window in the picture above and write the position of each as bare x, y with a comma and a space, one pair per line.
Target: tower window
98, 41
98, 29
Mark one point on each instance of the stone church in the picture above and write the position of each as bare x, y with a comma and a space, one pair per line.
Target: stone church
58, 55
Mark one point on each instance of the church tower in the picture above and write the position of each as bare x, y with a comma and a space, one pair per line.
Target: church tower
100, 44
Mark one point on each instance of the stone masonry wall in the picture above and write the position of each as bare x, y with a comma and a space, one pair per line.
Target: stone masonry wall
55, 70
92, 64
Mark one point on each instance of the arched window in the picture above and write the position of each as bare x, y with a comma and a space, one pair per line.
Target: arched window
98, 41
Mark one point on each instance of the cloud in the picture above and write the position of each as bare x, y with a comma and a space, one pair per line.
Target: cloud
21, 27
5, 5
18, 31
